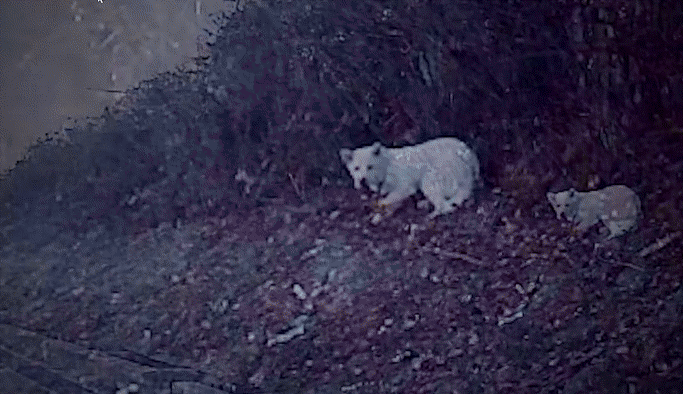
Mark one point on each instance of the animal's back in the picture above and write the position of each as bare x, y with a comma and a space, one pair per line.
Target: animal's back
437, 153
615, 202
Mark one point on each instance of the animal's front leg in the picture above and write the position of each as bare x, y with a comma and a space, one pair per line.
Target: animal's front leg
584, 224
395, 196
387, 205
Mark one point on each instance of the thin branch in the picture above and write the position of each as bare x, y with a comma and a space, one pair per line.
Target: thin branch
457, 255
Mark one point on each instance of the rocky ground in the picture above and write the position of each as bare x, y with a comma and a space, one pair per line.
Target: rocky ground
313, 298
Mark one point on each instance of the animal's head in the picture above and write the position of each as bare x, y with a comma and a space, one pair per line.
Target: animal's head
563, 202
369, 163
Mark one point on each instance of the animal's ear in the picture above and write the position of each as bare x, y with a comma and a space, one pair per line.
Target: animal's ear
550, 196
346, 155
572, 192
376, 148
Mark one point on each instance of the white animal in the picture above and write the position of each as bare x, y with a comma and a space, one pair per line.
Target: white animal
444, 169
617, 206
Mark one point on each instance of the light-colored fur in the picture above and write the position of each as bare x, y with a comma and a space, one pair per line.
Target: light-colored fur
444, 169
617, 206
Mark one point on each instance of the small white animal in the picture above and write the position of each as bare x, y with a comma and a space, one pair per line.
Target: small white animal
617, 206
444, 169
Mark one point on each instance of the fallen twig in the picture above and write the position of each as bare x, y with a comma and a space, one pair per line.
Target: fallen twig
635, 267
299, 191
659, 244
456, 255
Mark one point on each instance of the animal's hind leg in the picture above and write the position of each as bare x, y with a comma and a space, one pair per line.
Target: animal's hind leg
435, 194
617, 228
461, 194
439, 209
